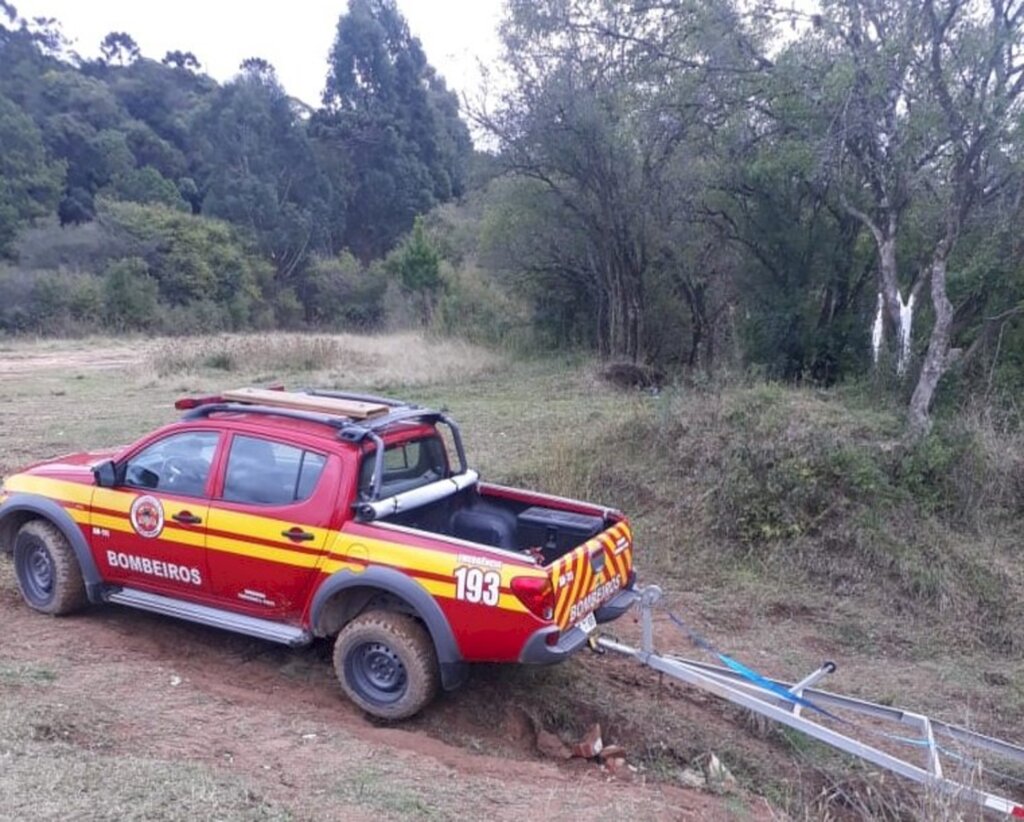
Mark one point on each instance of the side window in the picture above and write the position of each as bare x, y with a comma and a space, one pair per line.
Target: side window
399, 459
309, 473
261, 472
178, 464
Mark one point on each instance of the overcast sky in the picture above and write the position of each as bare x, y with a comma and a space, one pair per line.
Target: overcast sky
295, 36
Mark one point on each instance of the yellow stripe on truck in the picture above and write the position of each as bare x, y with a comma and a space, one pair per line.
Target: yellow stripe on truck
428, 560
414, 560
264, 552
74, 492
264, 528
111, 500
409, 559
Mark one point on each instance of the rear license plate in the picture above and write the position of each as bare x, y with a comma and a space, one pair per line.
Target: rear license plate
588, 624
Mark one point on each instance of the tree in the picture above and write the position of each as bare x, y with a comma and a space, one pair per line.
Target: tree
165, 99
30, 182
976, 74
262, 172
391, 114
926, 98
48, 36
602, 117
258, 67
150, 149
806, 274
181, 60
120, 46
417, 265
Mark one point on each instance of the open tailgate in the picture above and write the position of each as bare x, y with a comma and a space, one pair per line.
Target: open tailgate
591, 574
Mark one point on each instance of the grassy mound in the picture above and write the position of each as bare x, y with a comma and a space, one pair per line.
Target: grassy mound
818, 489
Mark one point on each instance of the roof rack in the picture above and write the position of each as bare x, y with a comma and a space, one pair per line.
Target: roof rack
206, 409
362, 423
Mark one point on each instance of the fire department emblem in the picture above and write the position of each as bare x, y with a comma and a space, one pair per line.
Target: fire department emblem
147, 516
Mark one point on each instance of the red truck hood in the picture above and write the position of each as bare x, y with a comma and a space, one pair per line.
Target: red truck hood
72, 467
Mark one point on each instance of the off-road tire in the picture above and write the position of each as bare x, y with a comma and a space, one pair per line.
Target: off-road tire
49, 577
387, 664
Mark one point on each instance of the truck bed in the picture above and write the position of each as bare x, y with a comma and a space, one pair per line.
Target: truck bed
586, 550
498, 519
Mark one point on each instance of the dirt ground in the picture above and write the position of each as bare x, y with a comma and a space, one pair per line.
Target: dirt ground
29, 361
131, 685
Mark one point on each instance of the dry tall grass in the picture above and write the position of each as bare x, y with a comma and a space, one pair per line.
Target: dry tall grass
407, 358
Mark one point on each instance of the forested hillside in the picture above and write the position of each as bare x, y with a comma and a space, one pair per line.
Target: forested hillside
139, 193
694, 185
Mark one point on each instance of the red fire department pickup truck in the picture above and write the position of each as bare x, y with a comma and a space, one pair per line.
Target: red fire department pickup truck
295, 515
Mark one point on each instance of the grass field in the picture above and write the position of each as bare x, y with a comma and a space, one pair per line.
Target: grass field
778, 521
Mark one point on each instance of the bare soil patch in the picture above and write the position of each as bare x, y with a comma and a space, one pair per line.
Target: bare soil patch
127, 685
86, 358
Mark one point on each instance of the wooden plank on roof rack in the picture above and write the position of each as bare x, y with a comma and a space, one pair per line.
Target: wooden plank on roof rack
355, 409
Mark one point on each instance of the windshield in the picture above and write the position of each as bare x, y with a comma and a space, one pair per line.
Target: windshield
407, 465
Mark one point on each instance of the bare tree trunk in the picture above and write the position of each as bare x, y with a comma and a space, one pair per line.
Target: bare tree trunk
898, 312
889, 277
936, 360
618, 311
634, 327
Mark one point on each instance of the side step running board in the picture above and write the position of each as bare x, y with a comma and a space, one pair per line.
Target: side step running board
215, 617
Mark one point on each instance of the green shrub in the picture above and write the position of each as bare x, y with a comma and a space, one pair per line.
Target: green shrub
192, 258
130, 295
816, 488
474, 307
339, 292
49, 302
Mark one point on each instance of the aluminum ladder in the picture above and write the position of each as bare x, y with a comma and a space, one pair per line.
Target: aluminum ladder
737, 689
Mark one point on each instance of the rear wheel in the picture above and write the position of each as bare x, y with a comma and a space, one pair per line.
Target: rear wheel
48, 574
387, 664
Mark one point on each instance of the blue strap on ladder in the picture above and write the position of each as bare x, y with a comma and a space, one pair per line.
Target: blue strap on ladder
750, 674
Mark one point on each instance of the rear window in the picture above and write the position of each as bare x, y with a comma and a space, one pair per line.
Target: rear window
407, 465
262, 472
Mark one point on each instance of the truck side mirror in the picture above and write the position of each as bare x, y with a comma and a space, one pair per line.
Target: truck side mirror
105, 474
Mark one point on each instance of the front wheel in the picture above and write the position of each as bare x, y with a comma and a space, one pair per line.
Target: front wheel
387, 664
48, 574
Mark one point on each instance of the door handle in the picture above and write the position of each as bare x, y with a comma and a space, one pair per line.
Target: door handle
296, 534
187, 518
